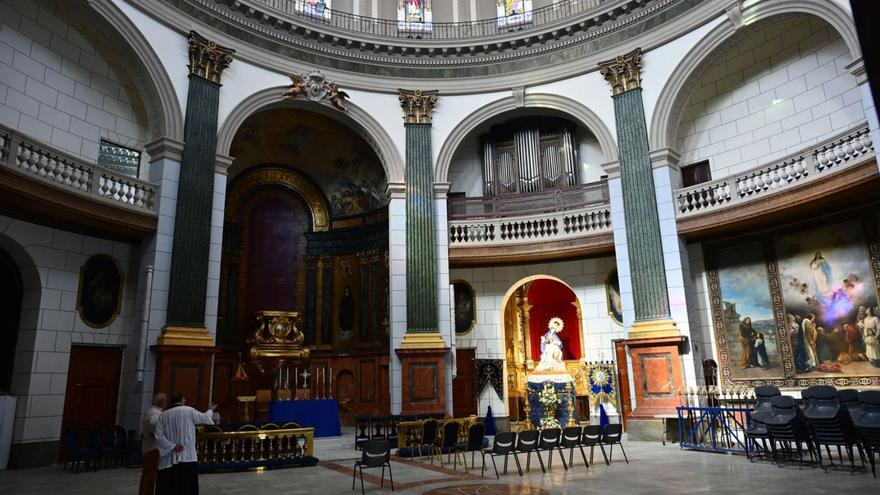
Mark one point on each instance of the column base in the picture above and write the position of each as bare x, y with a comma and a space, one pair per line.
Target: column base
186, 336
185, 369
653, 329
657, 375
432, 340
423, 380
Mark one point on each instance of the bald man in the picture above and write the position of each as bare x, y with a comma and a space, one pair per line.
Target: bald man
148, 446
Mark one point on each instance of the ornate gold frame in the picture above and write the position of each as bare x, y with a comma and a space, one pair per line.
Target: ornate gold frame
119, 292
608, 296
473, 305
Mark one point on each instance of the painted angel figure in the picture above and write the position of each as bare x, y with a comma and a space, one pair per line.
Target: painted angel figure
551, 348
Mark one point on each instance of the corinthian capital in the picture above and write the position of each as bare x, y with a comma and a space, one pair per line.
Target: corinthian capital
207, 59
417, 105
624, 72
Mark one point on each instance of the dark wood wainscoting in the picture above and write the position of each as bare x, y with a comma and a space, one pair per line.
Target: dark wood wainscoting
92, 387
464, 398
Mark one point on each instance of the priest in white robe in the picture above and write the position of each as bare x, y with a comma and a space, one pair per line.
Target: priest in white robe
176, 442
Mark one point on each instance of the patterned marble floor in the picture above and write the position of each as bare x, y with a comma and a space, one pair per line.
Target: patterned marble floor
653, 469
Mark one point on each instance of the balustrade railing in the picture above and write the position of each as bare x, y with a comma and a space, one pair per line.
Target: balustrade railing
38, 161
557, 12
254, 448
829, 156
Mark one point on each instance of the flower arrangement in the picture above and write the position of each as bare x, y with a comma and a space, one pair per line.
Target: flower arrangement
550, 401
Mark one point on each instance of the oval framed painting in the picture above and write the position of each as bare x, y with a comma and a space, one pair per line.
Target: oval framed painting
464, 307
99, 297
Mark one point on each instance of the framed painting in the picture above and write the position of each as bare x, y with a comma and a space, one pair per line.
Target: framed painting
750, 345
465, 307
612, 295
99, 297
830, 303
414, 16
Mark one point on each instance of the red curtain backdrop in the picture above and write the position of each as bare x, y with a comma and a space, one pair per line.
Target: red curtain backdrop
549, 299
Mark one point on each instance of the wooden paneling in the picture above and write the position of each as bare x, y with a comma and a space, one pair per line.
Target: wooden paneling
92, 387
186, 379
185, 369
423, 380
623, 380
464, 397
367, 380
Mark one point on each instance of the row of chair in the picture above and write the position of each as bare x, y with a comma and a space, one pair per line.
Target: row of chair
844, 419
93, 448
554, 439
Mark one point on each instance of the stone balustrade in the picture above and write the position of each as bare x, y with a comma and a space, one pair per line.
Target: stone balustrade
545, 227
829, 156
40, 162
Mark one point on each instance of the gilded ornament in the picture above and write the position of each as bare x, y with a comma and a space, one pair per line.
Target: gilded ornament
624, 72
314, 86
207, 59
418, 105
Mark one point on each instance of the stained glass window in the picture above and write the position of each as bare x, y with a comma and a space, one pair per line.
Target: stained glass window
514, 12
317, 8
414, 15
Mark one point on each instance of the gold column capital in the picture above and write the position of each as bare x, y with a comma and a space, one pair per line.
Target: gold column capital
417, 105
207, 59
624, 72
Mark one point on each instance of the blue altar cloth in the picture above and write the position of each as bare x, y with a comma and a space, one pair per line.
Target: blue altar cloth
321, 414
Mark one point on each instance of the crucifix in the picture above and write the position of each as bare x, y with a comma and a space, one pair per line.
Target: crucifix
305, 376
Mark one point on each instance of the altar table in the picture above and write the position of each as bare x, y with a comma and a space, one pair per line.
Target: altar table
321, 414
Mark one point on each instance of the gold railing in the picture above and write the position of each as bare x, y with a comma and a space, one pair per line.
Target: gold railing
231, 447
410, 432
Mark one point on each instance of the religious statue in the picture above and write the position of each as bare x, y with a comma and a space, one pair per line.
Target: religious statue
551, 348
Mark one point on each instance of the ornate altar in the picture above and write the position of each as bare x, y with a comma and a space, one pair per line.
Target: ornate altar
276, 344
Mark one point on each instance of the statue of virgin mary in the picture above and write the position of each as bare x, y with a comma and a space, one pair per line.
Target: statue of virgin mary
551, 348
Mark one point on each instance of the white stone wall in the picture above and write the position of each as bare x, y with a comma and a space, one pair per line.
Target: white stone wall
397, 275
59, 86
781, 90
586, 277
699, 311
51, 324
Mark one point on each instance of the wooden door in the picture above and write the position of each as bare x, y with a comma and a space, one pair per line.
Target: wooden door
92, 387
464, 398
384, 390
10, 311
623, 381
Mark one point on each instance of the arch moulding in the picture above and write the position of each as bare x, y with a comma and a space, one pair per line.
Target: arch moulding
726, 36
571, 108
146, 70
357, 118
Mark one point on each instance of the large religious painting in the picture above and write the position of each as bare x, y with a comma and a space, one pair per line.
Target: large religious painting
100, 291
464, 308
414, 15
513, 12
798, 307
745, 322
316, 8
830, 301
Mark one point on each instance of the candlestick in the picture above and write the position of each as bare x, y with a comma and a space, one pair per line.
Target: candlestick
331, 382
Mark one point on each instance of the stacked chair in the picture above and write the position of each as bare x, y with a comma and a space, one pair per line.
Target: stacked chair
757, 430
867, 424
788, 430
830, 423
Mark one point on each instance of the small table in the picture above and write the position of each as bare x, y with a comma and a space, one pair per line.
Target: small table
321, 414
665, 418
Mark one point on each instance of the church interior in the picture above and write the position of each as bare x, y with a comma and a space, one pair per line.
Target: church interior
440, 237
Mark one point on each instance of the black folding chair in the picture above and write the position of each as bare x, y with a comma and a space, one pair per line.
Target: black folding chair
591, 437
571, 438
611, 437
548, 442
429, 436
375, 454
474, 443
503, 445
526, 443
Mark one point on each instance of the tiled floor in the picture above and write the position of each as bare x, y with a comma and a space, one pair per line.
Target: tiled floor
653, 469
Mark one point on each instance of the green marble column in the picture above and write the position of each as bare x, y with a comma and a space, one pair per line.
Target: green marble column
421, 256
647, 269
195, 195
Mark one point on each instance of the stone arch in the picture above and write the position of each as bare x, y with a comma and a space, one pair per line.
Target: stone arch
146, 70
31, 293
356, 118
577, 111
724, 37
